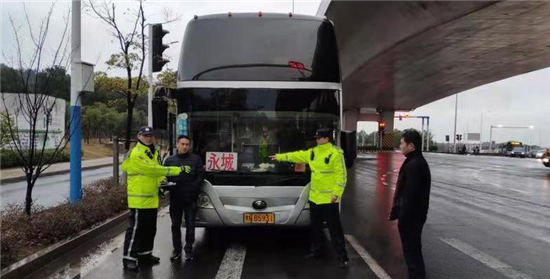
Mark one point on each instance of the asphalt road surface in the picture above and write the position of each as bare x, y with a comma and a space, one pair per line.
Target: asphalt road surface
489, 218
48, 190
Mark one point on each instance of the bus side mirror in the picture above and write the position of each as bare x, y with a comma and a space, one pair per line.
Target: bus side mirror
160, 113
348, 141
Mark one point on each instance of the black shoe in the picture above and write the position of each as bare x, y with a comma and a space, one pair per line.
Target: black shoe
189, 256
176, 255
130, 265
343, 263
149, 259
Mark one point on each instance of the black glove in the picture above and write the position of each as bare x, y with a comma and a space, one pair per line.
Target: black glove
394, 213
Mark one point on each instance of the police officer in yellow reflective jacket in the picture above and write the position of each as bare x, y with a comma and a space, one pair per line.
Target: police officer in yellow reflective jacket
328, 180
144, 173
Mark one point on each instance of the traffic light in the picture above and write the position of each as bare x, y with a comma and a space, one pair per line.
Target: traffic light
157, 47
381, 127
459, 137
447, 138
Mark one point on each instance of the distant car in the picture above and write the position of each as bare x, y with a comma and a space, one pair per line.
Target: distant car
518, 152
545, 158
537, 153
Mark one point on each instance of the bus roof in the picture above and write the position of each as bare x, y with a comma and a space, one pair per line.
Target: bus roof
255, 15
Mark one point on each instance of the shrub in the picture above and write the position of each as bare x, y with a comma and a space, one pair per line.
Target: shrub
23, 235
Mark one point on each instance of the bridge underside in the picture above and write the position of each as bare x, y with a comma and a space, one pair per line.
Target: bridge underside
402, 55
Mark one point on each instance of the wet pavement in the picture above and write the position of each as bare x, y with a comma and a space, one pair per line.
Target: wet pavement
489, 218
49, 190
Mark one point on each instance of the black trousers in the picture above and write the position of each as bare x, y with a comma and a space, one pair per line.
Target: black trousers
140, 234
177, 210
411, 240
329, 213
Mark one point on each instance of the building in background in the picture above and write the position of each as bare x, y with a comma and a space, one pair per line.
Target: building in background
50, 125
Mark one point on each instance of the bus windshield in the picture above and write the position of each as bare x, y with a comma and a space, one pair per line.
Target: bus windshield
236, 130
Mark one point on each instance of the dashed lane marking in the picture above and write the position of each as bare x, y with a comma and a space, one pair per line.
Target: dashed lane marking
232, 264
369, 260
485, 259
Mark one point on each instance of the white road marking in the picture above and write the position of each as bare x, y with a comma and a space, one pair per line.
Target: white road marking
369, 260
232, 264
485, 259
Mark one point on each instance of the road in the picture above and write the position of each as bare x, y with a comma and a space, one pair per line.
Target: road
489, 218
48, 190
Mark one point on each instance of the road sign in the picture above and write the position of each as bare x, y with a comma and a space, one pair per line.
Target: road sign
474, 136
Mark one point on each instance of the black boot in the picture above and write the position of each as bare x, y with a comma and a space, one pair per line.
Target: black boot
343, 262
176, 255
189, 256
130, 265
149, 259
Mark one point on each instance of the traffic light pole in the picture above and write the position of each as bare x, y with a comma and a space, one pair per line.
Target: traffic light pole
150, 77
425, 133
456, 117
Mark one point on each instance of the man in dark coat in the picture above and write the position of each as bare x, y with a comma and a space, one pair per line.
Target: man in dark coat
411, 201
183, 196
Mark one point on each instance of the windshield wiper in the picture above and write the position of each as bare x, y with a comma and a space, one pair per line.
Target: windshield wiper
196, 77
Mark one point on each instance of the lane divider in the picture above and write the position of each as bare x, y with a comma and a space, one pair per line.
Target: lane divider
232, 264
367, 258
485, 259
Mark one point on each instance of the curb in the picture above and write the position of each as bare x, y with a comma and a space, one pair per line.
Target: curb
52, 173
41, 258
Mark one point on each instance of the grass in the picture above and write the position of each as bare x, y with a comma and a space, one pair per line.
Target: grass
94, 150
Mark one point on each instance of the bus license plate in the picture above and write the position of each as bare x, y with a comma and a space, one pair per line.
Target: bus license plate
259, 218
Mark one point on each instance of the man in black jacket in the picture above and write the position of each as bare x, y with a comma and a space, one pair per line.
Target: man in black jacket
411, 201
183, 196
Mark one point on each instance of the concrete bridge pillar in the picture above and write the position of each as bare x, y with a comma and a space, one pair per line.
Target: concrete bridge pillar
385, 129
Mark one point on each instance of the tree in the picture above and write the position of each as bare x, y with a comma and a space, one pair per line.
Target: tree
100, 121
167, 79
133, 50
38, 86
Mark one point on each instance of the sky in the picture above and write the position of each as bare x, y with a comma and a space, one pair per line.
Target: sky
522, 101
518, 101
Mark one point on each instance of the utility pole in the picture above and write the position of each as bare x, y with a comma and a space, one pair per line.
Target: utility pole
480, 133
76, 114
456, 115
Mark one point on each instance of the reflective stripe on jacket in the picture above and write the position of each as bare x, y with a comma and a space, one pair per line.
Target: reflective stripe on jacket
328, 170
144, 176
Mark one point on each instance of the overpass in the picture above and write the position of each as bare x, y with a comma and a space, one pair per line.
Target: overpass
400, 55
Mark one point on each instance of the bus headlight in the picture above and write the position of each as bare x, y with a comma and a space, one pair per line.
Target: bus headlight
204, 201
546, 160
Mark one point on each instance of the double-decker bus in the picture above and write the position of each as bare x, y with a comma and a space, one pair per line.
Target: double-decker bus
250, 86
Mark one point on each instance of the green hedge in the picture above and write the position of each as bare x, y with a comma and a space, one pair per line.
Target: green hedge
10, 158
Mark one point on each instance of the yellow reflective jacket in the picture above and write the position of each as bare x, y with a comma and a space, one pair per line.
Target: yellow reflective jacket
144, 176
328, 170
